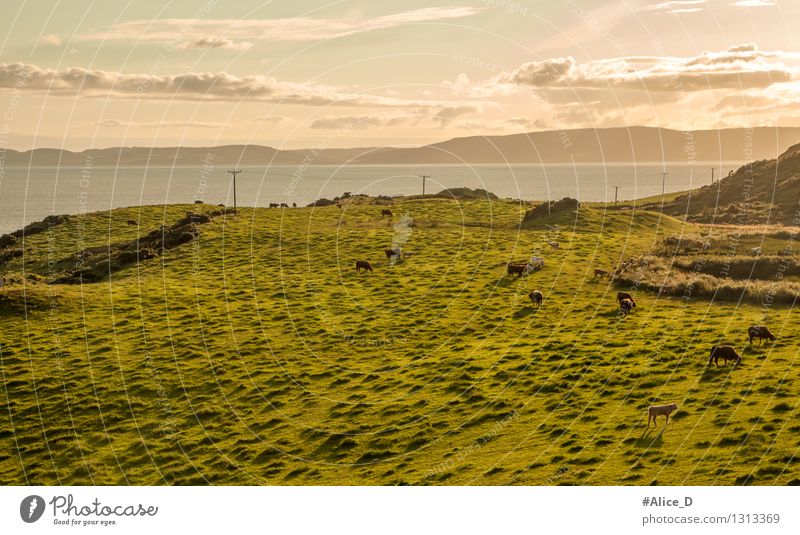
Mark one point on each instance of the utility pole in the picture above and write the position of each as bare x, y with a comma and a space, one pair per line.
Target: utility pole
712, 176
616, 190
234, 173
423, 177
663, 183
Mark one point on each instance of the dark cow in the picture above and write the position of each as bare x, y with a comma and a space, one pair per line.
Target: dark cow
132, 223
394, 251
625, 306
536, 297
274, 205
386, 211
725, 353
294, 205
362, 264
601, 273
625, 295
284, 205
519, 269
759, 331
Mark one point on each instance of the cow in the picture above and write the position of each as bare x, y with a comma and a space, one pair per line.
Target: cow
725, 353
363, 264
519, 269
386, 211
654, 411
625, 306
132, 222
601, 273
274, 205
553, 244
755, 251
284, 205
625, 295
759, 331
536, 297
394, 251
294, 205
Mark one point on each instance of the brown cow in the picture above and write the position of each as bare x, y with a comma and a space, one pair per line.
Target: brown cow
132, 223
362, 264
725, 353
536, 297
759, 331
519, 269
386, 211
625, 306
655, 411
625, 295
601, 273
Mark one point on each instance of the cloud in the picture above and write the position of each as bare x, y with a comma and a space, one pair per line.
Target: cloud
677, 6
421, 117
753, 3
741, 66
193, 86
50, 39
116, 123
219, 42
183, 32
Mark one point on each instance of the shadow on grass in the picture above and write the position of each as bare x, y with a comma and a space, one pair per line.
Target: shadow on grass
647, 440
526, 311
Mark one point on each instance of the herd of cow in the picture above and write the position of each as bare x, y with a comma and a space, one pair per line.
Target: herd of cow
626, 305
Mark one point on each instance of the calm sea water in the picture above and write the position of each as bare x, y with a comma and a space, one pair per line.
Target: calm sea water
29, 194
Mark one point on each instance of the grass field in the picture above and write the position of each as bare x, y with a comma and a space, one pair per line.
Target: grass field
256, 355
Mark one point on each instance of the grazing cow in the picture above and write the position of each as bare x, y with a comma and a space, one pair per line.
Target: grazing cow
519, 269
759, 331
386, 211
536, 297
273, 205
625, 295
553, 244
408, 254
132, 222
601, 273
363, 264
660, 410
284, 205
394, 251
294, 205
625, 306
725, 353
755, 251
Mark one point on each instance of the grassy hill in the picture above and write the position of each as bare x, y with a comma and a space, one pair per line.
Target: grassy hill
764, 191
255, 354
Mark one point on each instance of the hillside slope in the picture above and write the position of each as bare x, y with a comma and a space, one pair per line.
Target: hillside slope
764, 191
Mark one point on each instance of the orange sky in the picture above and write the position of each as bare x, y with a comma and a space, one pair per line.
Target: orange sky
305, 74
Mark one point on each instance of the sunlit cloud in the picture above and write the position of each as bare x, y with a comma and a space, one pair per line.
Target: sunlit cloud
183, 32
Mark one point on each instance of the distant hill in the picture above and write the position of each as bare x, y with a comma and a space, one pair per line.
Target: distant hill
580, 146
764, 191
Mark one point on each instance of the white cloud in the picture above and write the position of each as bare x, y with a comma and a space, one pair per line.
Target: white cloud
116, 123
205, 86
677, 6
739, 67
754, 3
219, 42
421, 117
50, 39
182, 32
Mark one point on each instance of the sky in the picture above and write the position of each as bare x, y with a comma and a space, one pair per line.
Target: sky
78, 74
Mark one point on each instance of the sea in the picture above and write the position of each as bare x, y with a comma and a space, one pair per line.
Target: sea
29, 194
